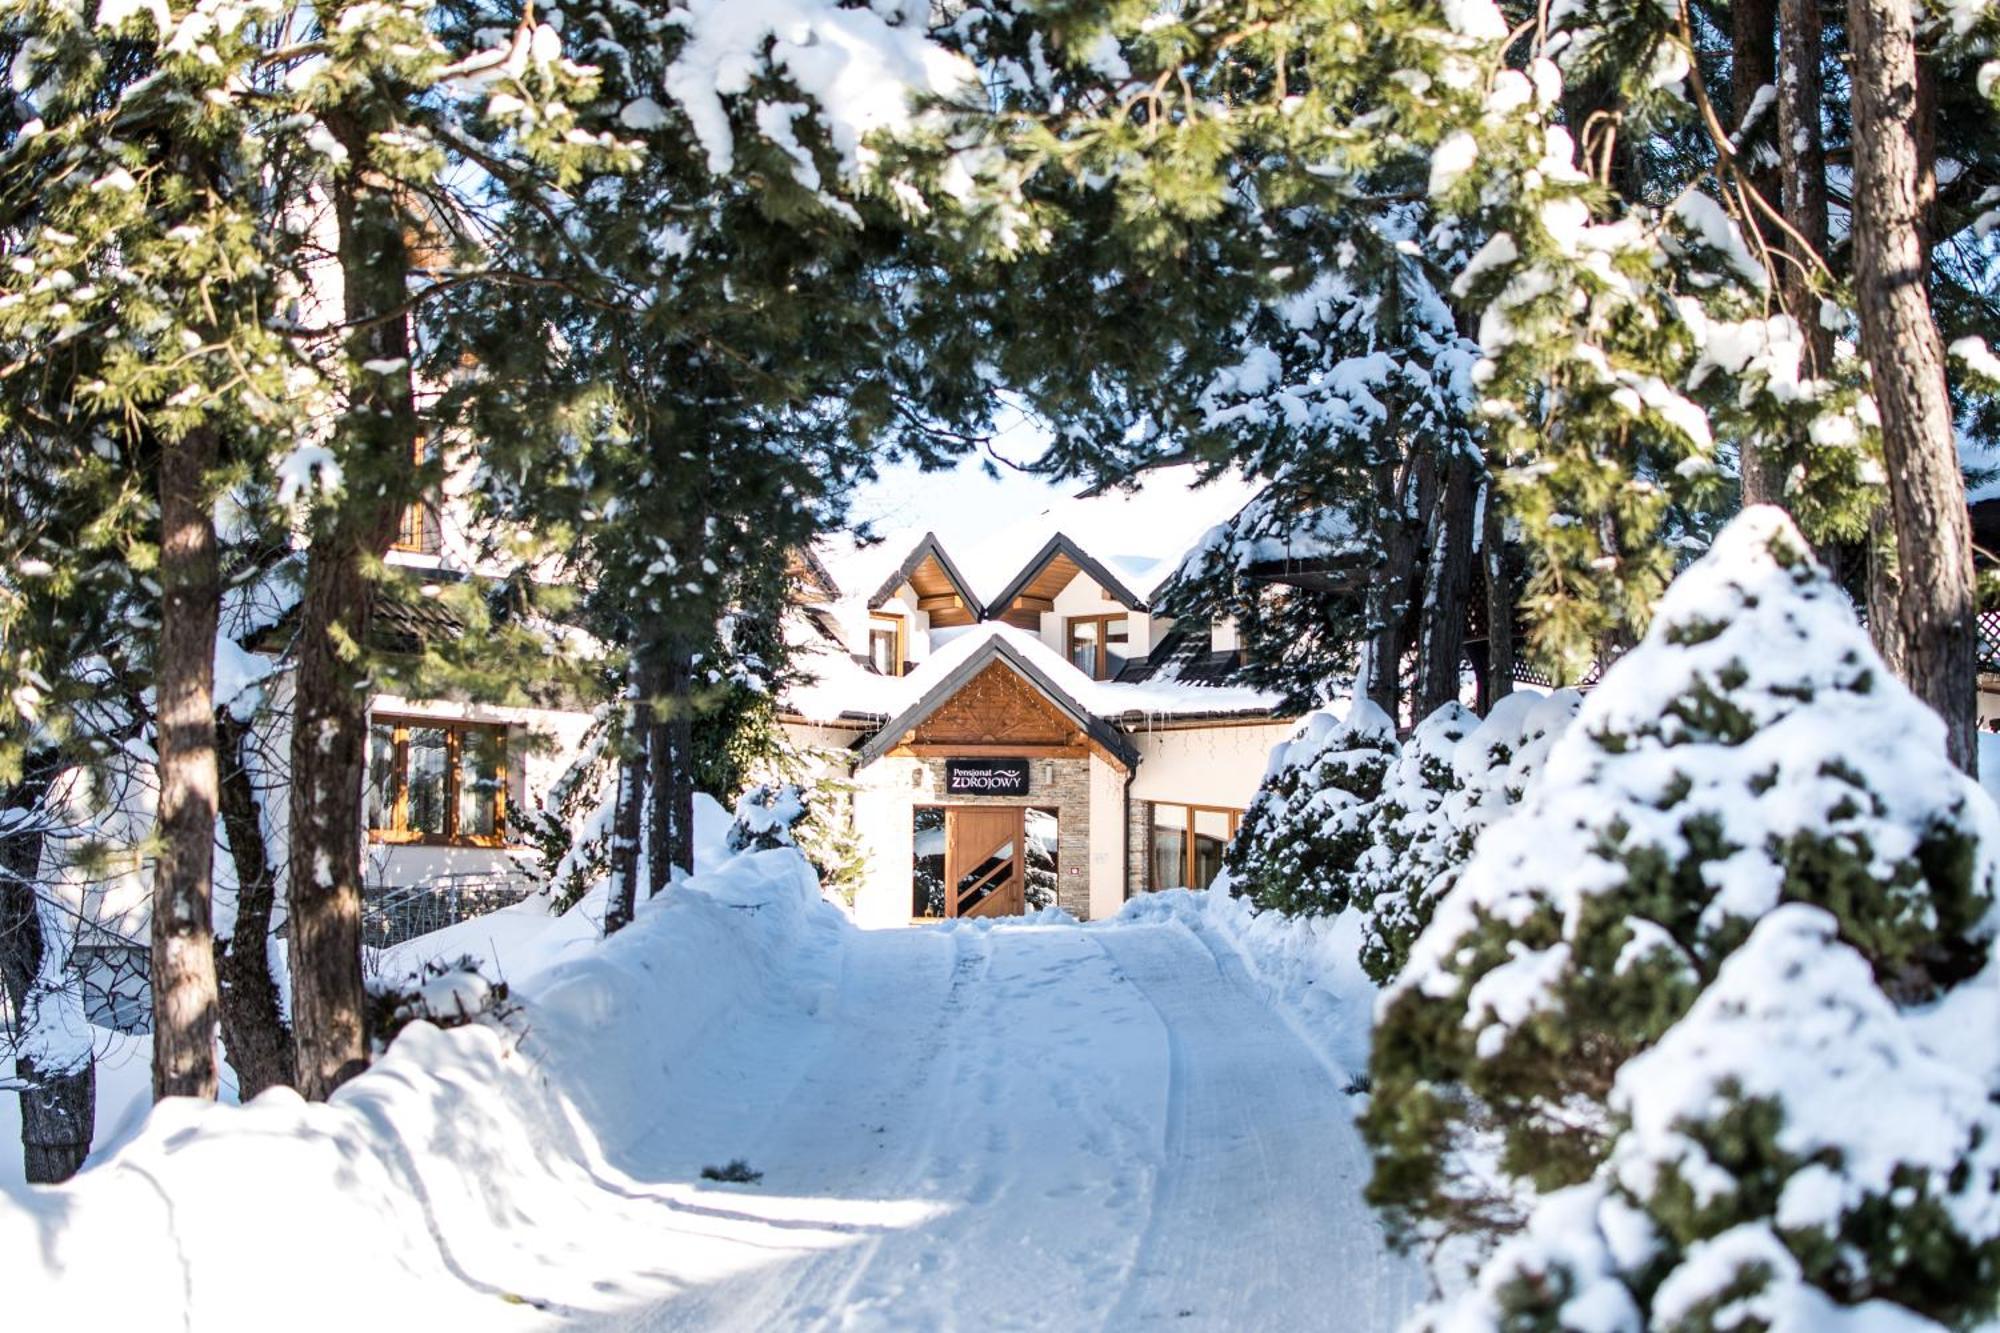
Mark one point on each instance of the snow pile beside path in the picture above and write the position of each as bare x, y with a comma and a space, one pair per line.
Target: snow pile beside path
468, 1175
1308, 967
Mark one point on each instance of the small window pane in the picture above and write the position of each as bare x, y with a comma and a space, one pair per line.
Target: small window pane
379, 798
1083, 646
1211, 836
1169, 847
427, 779
927, 869
882, 652
481, 769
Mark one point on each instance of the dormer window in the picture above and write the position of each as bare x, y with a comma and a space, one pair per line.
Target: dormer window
1096, 644
885, 644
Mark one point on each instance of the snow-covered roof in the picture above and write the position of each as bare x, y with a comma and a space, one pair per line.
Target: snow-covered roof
1138, 533
844, 688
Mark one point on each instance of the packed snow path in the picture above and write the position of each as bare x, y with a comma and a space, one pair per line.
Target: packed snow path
1024, 1126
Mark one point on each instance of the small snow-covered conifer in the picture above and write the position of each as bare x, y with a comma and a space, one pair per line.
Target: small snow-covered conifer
1411, 860
1752, 750
1436, 805
1789, 1156
1300, 840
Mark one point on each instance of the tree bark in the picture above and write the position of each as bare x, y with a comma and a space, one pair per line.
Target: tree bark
1499, 600
253, 1025
183, 942
329, 725
1802, 167
625, 819
670, 754
1936, 607
1402, 502
58, 1106
1753, 26
1447, 587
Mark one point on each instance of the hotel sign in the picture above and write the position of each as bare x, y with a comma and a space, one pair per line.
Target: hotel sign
986, 777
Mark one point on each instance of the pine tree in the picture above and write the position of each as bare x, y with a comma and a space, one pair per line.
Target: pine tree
139, 214
726, 354
1752, 750
401, 103
1414, 853
1789, 1152
1297, 848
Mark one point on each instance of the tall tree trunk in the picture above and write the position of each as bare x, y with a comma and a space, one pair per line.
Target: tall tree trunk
329, 724
1447, 587
1900, 340
58, 1106
680, 741
183, 945
1401, 504
1753, 26
670, 756
253, 1025
1499, 599
1885, 594
1802, 166
625, 819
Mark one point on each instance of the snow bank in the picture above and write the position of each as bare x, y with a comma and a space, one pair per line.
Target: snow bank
1307, 966
469, 1175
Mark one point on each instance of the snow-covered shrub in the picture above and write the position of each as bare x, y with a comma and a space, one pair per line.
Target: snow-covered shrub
1789, 1147
1303, 835
1414, 853
448, 993
766, 814
1752, 750
1495, 764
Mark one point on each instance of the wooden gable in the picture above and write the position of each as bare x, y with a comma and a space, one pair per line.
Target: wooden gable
938, 595
1040, 592
995, 708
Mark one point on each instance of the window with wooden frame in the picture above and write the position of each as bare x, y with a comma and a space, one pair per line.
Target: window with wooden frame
886, 647
436, 782
1187, 844
1095, 645
419, 531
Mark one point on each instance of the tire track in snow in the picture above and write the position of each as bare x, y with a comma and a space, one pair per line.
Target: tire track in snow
1081, 1127
1258, 1219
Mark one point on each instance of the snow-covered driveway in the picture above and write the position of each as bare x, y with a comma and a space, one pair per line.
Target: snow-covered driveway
1035, 1125
1026, 1126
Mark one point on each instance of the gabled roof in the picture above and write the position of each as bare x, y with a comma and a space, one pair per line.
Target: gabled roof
1057, 547
930, 548
997, 648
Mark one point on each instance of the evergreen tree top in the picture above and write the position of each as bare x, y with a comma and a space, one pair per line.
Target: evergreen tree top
1755, 716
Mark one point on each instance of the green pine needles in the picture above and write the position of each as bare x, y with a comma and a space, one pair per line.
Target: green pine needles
1752, 751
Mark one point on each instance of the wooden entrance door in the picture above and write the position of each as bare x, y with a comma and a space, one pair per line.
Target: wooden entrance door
982, 862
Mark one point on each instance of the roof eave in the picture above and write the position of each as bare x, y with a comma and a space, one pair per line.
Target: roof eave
1098, 729
1062, 544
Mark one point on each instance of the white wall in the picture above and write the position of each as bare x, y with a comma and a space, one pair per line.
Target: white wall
1107, 840
1084, 596
883, 797
1214, 765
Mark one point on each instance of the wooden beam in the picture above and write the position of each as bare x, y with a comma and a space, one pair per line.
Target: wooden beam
989, 750
1027, 603
950, 601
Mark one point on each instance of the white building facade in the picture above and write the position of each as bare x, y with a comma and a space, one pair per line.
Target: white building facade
1020, 726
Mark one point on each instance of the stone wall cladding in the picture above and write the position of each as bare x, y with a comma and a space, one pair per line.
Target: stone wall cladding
1138, 847
1059, 784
